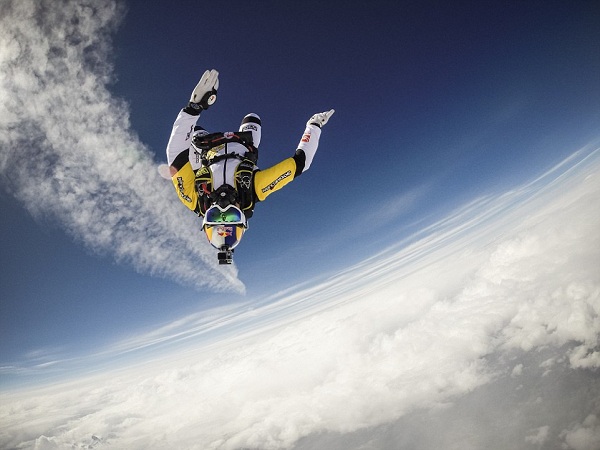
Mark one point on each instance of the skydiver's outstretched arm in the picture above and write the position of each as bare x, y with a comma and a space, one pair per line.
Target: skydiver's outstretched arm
203, 96
310, 140
178, 148
181, 139
274, 178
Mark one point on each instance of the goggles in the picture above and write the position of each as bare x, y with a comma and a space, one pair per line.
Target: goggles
215, 215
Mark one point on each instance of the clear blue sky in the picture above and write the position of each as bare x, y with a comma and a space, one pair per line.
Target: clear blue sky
436, 103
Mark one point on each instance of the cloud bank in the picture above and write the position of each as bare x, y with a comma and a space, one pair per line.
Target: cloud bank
67, 150
481, 333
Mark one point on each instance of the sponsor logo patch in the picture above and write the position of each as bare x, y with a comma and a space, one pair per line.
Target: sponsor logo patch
182, 190
244, 181
224, 231
272, 185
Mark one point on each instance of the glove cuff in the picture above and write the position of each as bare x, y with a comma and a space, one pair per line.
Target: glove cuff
193, 109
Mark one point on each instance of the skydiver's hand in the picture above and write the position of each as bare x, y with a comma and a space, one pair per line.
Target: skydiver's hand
205, 92
320, 119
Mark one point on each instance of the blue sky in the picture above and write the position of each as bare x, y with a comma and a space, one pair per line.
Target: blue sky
441, 254
437, 103
443, 99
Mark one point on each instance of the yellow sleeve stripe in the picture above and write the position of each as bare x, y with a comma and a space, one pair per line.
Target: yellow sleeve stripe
184, 182
274, 178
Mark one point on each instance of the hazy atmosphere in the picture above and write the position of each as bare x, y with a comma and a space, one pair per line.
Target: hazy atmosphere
431, 282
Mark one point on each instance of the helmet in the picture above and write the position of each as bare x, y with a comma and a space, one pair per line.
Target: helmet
224, 226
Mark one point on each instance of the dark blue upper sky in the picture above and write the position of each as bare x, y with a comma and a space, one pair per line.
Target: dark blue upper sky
450, 98
436, 103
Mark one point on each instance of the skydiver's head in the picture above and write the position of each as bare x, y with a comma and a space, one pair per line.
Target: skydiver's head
224, 226
251, 122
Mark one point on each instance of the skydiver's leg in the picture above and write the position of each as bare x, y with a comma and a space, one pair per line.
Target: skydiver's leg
252, 123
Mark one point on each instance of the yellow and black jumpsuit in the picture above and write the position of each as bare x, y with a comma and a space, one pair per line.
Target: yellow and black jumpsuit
231, 164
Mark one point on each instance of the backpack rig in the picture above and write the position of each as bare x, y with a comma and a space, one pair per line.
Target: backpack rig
226, 194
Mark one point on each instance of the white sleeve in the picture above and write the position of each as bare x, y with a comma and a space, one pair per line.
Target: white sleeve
309, 144
181, 135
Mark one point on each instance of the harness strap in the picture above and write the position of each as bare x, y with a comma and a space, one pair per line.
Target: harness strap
209, 141
216, 159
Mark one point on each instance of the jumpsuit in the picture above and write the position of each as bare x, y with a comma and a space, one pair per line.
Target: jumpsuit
186, 166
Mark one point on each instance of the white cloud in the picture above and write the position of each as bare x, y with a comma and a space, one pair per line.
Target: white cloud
417, 328
517, 370
584, 436
540, 436
68, 152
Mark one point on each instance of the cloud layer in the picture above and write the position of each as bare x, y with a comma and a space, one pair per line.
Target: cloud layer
67, 150
486, 327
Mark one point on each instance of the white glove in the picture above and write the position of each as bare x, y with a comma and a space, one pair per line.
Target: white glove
320, 119
205, 92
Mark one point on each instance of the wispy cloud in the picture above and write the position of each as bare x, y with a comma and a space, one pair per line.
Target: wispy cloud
485, 309
68, 152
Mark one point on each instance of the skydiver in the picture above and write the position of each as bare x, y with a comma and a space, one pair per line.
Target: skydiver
216, 174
